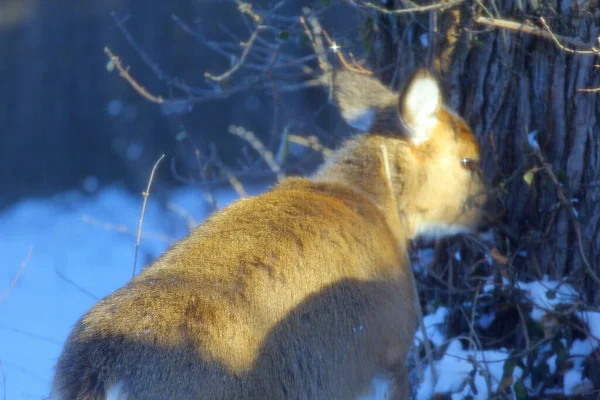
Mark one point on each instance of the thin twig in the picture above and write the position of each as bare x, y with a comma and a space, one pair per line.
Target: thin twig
524, 327
190, 221
260, 149
237, 65
3, 381
235, 183
316, 42
264, 79
534, 30
32, 335
76, 286
145, 194
311, 142
573, 41
564, 201
597, 89
438, 6
27, 372
246, 8
17, 275
108, 226
355, 67
479, 347
124, 73
143, 55
231, 177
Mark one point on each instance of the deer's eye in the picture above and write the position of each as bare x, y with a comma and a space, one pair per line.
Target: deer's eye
470, 164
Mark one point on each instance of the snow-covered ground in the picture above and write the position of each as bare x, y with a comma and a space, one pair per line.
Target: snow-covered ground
60, 255
82, 248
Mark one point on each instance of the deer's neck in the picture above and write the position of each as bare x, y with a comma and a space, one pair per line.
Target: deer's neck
370, 166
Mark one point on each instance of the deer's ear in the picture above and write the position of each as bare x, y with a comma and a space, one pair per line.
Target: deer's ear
359, 97
419, 103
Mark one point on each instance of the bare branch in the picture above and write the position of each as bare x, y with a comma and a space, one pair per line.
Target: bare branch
597, 89
76, 286
123, 72
260, 149
573, 41
234, 181
316, 41
311, 142
564, 201
263, 79
438, 6
236, 66
124, 229
355, 67
246, 8
32, 335
3, 375
17, 275
534, 30
144, 56
231, 177
145, 194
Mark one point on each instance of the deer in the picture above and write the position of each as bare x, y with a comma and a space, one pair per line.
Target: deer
304, 291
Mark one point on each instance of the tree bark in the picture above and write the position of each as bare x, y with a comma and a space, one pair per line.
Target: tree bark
508, 84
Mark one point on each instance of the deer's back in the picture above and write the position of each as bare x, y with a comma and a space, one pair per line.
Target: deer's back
277, 296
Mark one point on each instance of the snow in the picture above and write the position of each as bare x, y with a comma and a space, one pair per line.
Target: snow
532, 140
547, 294
82, 249
433, 324
460, 370
457, 255
573, 380
574, 383
455, 368
424, 258
592, 320
552, 363
486, 320
490, 284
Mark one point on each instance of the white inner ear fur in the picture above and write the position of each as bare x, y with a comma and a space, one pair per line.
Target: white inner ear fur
420, 105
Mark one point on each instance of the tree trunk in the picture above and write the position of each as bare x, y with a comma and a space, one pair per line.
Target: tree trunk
508, 84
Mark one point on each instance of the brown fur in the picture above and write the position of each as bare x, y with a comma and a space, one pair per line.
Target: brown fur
303, 292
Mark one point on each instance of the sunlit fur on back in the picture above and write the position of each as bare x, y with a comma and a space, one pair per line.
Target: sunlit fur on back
303, 292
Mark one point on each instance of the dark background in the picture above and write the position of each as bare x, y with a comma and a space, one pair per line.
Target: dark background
67, 122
